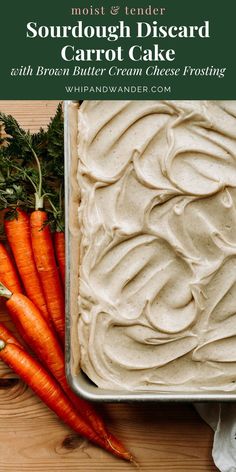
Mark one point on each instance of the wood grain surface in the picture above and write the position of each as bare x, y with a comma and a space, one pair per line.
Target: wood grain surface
163, 437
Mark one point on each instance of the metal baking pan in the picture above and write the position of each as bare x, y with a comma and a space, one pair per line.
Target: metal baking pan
79, 382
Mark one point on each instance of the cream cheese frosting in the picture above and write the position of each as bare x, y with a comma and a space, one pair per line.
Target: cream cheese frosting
157, 288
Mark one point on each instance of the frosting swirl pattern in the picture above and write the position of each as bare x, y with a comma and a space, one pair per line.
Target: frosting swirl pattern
157, 296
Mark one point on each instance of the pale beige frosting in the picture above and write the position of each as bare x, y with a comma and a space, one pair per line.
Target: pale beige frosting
157, 293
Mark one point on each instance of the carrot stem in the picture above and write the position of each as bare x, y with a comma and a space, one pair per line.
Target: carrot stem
4, 292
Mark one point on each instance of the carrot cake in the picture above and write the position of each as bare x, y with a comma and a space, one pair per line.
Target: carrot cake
157, 288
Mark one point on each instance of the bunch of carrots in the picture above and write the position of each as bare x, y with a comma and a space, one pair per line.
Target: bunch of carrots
32, 274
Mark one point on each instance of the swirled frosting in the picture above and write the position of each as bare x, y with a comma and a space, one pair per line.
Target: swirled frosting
157, 290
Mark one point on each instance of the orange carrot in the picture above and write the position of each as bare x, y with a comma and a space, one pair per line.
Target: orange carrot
7, 336
59, 243
35, 331
8, 274
18, 235
47, 269
50, 392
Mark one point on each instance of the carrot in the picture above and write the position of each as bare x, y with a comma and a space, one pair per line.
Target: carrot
33, 328
18, 234
8, 274
7, 336
40, 381
47, 269
59, 243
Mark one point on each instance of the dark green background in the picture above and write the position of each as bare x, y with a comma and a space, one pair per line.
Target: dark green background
17, 50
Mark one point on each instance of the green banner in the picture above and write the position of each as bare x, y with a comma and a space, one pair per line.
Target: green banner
126, 50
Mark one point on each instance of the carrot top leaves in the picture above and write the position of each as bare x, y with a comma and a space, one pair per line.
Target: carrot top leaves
14, 187
32, 168
55, 149
57, 216
17, 140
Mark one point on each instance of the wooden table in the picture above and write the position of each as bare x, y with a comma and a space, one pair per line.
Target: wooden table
168, 437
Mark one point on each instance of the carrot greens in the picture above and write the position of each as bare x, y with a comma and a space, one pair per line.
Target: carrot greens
32, 166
